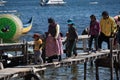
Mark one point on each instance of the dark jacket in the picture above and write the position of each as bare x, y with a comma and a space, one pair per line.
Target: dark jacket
72, 33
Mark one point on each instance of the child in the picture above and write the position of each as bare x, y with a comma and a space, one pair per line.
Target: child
37, 48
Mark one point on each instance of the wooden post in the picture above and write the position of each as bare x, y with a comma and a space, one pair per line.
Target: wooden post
85, 68
24, 52
84, 44
97, 72
91, 63
111, 58
26, 49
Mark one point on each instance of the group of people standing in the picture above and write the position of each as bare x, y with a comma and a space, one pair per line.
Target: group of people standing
52, 46
102, 31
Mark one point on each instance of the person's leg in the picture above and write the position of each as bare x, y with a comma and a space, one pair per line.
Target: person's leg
96, 42
50, 59
108, 42
55, 58
69, 49
40, 57
43, 55
100, 40
60, 57
35, 57
90, 42
74, 48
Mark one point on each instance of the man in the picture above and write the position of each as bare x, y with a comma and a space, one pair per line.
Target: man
108, 28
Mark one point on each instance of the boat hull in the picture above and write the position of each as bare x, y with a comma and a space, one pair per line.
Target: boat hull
58, 2
27, 27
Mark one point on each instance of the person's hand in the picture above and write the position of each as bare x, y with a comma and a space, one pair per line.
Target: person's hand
76, 40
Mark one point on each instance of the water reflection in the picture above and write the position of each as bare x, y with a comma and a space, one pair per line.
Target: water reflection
74, 72
63, 73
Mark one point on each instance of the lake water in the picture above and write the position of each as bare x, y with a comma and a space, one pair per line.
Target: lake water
79, 11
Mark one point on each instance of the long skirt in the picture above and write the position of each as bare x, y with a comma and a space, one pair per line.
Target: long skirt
52, 46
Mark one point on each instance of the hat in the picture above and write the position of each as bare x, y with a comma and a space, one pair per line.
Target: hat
51, 20
70, 21
36, 35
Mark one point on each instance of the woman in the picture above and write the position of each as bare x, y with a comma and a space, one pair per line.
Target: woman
53, 41
72, 37
94, 32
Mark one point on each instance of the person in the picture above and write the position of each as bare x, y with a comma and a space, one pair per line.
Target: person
85, 31
118, 21
37, 47
94, 31
117, 37
108, 28
72, 37
54, 48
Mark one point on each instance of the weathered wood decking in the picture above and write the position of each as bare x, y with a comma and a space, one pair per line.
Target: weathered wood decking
8, 73
24, 69
82, 57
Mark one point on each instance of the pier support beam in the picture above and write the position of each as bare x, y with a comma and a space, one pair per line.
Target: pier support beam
85, 70
111, 58
97, 72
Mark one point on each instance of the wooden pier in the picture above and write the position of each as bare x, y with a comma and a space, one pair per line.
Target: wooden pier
83, 57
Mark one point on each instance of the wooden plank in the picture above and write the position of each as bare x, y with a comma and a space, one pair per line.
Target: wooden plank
11, 71
80, 37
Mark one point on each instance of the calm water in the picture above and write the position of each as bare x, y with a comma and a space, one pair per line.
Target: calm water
79, 11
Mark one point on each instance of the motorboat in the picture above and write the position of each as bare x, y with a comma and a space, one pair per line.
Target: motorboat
52, 2
2, 2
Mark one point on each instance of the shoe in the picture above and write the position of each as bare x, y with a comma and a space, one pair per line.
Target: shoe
89, 52
99, 49
94, 51
75, 54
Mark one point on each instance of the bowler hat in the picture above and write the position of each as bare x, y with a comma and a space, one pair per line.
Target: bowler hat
36, 35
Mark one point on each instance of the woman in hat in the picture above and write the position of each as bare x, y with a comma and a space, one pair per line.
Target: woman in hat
54, 48
37, 48
72, 37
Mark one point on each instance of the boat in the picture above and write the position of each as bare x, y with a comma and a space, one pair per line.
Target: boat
12, 28
2, 2
52, 2
27, 26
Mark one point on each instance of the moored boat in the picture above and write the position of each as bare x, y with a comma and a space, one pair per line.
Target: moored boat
2, 2
11, 27
27, 27
52, 2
